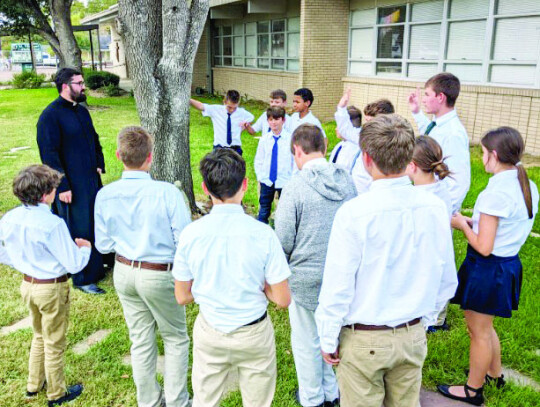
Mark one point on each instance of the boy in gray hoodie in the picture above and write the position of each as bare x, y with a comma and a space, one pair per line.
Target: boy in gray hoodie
303, 222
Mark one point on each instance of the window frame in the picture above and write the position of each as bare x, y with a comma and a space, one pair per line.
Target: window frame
219, 37
486, 61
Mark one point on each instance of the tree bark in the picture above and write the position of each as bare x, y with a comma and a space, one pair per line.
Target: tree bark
69, 49
161, 40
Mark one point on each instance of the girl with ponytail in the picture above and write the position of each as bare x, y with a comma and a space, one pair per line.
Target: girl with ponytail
428, 168
490, 277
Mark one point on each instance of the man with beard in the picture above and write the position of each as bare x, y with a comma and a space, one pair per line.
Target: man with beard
69, 143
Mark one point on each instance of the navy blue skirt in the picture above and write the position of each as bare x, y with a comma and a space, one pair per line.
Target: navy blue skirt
489, 285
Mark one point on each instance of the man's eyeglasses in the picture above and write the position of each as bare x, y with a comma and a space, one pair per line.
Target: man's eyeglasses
81, 83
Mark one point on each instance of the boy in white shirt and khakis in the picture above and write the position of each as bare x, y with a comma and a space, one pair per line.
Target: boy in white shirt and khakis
231, 265
38, 244
140, 220
389, 267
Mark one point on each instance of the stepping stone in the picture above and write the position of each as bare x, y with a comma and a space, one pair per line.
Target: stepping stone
15, 149
433, 399
96, 337
537, 352
22, 324
520, 379
535, 235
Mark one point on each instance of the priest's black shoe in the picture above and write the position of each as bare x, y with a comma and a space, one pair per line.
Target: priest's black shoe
90, 289
472, 396
71, 394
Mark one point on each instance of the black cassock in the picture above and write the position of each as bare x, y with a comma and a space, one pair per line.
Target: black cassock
69, 143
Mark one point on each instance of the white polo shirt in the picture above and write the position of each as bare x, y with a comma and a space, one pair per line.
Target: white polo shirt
229, 256
308, 118
503, 198
219, 116
36, 242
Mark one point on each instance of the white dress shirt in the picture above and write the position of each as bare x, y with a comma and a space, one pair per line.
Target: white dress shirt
450, 133
261, 125
139, 218
263, 159
390, 260
361, 178
229, 256
345, 126
440, 189
219, 116
36, 242
503, 198
308, 118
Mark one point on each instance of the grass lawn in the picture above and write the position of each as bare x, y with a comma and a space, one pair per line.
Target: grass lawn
108, 382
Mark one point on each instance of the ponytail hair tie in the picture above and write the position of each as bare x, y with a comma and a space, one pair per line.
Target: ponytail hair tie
518, 164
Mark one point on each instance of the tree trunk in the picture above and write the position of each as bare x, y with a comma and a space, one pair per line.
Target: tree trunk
161, 39
70, 53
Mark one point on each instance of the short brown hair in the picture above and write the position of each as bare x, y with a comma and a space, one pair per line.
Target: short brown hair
232, 96
32, 182
381, 106
275, 112
223, 171
310, 138
134, 146
446, 83
389, 140
355, 115
277, 94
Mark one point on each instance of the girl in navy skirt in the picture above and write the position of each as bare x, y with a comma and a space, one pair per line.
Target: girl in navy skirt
490, 277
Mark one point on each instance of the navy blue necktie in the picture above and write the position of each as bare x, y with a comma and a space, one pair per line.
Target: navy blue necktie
430, 127
354, 161
337, 153
229, 129
273, 161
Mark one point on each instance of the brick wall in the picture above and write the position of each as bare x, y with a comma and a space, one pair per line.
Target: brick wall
324, 37
256, 84
480, 108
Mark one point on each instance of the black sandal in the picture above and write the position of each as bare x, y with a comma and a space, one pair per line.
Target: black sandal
499, 382
477, 399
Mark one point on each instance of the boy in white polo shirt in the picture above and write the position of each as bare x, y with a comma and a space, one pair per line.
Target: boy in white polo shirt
390, 265
302, 102
140, 219
278, 98
274, 162
228, 120
39, 245
231, 265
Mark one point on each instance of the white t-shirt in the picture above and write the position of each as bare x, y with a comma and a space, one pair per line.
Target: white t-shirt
229, 256
503, 198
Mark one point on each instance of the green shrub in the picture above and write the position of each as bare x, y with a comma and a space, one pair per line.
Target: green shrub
98, 79
28, 80
111, 90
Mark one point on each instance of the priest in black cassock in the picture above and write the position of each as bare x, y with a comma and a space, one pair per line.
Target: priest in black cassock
69, 143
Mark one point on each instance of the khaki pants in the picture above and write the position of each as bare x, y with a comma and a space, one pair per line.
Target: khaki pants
381, 366
251, 349
49, 311
147, 298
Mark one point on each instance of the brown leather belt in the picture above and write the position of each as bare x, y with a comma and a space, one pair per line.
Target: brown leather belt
144, 264
60, 279
362, 327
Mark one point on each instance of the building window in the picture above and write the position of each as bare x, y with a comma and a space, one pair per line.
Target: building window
271, 44
480, 41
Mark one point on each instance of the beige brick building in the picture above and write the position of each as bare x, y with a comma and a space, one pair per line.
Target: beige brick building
378, 48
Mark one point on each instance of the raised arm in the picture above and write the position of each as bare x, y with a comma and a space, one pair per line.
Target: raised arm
196, 104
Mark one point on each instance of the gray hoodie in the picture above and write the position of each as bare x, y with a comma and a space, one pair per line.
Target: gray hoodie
303, 223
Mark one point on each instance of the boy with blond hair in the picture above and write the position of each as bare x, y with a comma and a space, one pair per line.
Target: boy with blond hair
141, 219
390, 265
38, 244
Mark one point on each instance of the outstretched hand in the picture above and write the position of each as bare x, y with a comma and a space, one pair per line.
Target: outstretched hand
414, 100
344, 101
